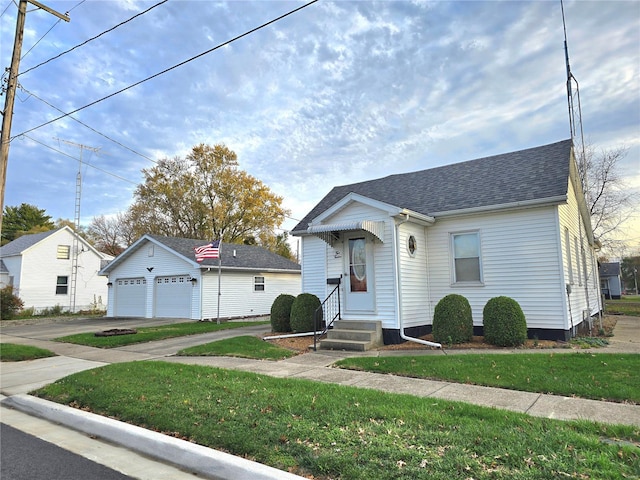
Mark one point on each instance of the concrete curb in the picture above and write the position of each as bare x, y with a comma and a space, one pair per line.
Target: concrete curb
190, 457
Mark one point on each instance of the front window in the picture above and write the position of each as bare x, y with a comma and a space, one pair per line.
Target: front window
466, 257
62, 285
258, 284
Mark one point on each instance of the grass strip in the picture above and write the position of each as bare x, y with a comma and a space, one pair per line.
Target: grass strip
11, 352
598, 376
338, 432
244, 346
150, 334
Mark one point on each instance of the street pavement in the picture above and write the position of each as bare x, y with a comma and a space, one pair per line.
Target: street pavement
17, 379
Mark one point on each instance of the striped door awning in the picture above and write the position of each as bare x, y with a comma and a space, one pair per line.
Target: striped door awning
330, 232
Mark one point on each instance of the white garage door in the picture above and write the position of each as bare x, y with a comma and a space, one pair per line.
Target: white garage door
130, 297
172, 297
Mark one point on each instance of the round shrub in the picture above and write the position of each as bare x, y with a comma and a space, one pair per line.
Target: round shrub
504, 322
302, 311
452, 320
280, 313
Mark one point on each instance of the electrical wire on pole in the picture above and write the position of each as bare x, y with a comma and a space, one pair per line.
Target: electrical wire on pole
12, 83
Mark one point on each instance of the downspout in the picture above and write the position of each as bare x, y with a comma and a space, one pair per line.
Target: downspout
398, 304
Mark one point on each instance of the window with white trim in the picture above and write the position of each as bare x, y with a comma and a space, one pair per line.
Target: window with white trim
577, 252
467, 264
258, 284
62, 285
63, 252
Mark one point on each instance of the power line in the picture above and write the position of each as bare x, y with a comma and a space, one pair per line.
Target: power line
84, 163
173, 67
87, 126
92, 38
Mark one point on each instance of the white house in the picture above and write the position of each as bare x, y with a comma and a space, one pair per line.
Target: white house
40, 267
159, 277
514, 224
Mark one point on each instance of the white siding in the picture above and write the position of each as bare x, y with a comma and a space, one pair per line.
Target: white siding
238, 297
519, 250
581, 288
414, 287
39, 267
314, 266
162, 263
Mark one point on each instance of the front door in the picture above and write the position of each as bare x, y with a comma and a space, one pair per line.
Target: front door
360, 295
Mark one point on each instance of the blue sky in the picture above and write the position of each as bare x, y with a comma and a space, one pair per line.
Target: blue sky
336, 93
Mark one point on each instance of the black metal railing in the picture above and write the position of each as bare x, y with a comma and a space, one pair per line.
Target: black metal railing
327, 313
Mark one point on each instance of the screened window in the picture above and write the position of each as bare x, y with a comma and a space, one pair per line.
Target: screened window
258, 284
64, 252
466, 257
62, 285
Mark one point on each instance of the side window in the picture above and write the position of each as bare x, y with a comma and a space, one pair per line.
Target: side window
62, 285
258, 284
467, 264
63, 252
567, 246
577, 252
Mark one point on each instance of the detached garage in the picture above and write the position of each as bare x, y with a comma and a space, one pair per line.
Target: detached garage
159, 277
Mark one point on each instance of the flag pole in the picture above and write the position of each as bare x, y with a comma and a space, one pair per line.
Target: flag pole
219, 277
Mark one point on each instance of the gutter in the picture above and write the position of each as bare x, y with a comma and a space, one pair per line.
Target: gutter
398, 306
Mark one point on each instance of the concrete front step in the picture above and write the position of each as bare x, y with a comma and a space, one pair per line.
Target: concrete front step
349, 345
357, 335
353, 335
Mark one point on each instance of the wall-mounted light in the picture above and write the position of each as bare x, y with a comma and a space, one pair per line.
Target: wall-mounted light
109, 284
194, 281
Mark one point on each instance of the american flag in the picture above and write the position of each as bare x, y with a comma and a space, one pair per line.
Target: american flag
210, 250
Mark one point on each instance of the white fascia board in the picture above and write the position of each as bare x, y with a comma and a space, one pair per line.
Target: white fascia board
214, 268
415, 217
127, 252
505, 206
354, 197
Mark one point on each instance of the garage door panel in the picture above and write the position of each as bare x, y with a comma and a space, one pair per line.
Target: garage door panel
172, 297
130, 297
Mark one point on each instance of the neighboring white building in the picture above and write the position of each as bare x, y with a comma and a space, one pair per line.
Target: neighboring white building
159, 277
514, 224
39, 267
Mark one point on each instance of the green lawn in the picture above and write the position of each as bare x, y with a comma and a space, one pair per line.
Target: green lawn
150, 334
598, 376
243, 346
11, 352
337, 432
627, 305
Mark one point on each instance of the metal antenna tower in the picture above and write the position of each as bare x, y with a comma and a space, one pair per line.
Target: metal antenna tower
76, 222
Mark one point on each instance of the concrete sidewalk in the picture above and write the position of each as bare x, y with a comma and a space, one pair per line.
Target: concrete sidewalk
18, 379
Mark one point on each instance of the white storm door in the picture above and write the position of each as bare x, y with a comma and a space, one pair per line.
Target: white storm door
359, 291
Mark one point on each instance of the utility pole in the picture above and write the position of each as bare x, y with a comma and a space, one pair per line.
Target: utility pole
12, 84
76, 223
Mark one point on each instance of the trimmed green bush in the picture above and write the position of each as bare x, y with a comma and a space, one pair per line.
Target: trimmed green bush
281, 313
452, 320
10, 304
302, 311
504, 322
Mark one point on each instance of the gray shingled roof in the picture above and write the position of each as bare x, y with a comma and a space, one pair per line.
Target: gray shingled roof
611, 269
20, 244
525, 175
247, 256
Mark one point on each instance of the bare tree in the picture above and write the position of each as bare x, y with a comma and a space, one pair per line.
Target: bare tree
106, 234
611, 202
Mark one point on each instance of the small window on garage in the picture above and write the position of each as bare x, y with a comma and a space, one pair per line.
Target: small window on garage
64, 252
258, 284
62, 285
